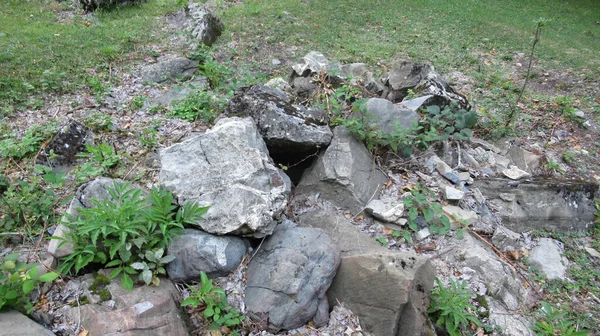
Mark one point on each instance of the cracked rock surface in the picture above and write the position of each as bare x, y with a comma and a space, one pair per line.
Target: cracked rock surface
288, 277
229, 170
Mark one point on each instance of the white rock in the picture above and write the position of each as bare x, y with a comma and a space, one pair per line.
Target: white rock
514, 173
579, 113
422, 234
453, 194
387, 211
546, 256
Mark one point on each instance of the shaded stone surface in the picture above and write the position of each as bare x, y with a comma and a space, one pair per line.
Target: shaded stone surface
288, 277
387, 290
69, 141
388, 117
541, 204
144, 311
175, 68
197, 251
344, 174
284, 127
13, 323
227, 169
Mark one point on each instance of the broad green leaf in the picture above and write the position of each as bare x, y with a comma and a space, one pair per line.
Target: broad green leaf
113, 263
190, 301
28, 286
48, 277
126, 281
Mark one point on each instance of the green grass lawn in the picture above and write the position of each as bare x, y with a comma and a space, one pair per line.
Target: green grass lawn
445, 32
46, 44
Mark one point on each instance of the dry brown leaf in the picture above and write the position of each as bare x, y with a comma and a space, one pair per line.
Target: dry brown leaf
83, 333
359, 217
386, 230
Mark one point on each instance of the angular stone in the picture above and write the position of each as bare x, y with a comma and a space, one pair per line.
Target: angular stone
387, 117
13, 323
505, 239
283, 127
180, 67
386, 211
453, 194
468, 216
546, 256
197, 251
515, 173
204, 24
144, 311
288, 277
344, 174
313, 62
422, 234
398, 304
523, 159
227, 169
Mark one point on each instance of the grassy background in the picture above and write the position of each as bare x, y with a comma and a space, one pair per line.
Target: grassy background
445, 32
45, 36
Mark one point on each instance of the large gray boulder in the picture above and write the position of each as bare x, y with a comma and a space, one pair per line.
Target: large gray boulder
175, 68
14, 323
147, 311
387, 117
288, 277
284, 127
205, 26
387, 290
344, 174
228, 169
541, 204
197, 251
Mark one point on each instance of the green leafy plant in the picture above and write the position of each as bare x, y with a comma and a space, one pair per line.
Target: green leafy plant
30, 203
213, 301
101, 157
201, 105
129, 232
99, 122
451, 121
450, 307
555, 322
17, 280
152, 266
14, 147
420, 205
